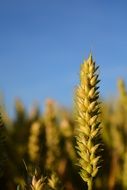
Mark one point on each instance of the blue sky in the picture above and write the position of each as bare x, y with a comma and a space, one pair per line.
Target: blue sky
43, 43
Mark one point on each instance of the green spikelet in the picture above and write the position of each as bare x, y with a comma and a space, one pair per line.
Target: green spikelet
87, 107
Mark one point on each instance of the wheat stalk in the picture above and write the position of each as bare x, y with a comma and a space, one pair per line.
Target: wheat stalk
87, 106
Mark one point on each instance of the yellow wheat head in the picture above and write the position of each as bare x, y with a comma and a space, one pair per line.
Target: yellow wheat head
87, 107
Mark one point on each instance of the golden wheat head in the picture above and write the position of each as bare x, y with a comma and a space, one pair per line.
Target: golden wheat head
87, 112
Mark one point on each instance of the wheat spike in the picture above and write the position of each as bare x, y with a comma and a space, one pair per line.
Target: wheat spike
54, 182
3, 155
34, 142
87, 107
38, 184
52, 134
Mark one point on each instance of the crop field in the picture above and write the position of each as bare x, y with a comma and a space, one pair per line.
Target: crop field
67, 149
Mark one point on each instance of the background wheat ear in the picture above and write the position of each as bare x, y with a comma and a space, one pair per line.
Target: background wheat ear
37, 184
54, 182
3, 155
34, 143
122, 88
88, 125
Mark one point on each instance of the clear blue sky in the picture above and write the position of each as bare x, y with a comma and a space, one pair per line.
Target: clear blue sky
43, 43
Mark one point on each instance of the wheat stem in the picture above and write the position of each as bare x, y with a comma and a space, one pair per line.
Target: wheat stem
90, 185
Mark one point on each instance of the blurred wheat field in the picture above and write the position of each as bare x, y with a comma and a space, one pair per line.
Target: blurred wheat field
38, 151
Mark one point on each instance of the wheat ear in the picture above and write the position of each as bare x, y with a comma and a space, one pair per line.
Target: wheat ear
3, 156
87, 111
38, 184
54, 182
34, 142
